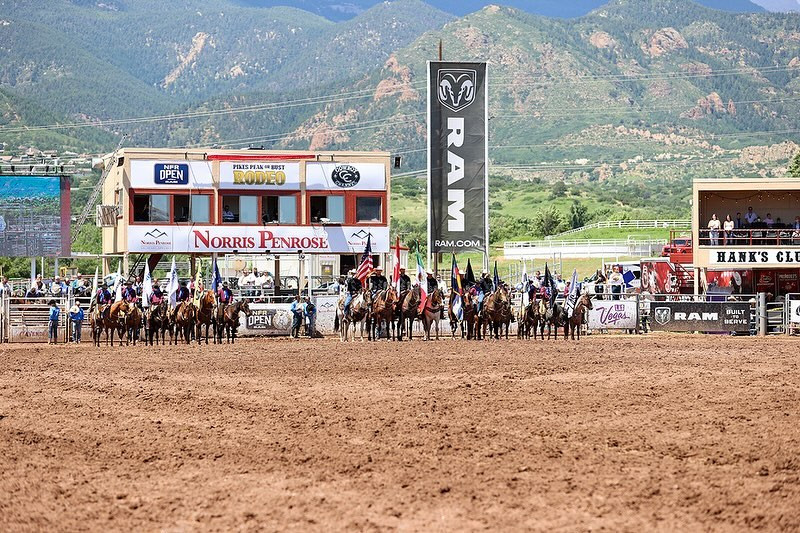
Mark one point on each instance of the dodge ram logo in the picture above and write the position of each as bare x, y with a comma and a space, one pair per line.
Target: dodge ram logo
663, 315
456, 88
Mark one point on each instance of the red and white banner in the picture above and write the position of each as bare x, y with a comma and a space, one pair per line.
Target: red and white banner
249, 239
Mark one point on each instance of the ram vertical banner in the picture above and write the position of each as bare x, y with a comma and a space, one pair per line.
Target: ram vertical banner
458, 174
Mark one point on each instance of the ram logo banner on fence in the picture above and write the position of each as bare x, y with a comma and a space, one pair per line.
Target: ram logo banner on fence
700, 316
614, 314
457, 157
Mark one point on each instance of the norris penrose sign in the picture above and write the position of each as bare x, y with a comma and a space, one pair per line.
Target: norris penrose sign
748, 257
457, 157
200, 239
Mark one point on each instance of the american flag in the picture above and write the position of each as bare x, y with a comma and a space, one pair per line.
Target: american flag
366, 262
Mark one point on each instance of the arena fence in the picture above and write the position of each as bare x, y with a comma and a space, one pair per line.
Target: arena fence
792, 314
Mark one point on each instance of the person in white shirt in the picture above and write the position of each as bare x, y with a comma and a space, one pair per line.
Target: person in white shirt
728, 226
713, 230
750, 216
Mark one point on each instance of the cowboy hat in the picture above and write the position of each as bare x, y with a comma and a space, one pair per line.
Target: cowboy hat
430, 272
379, 269
351, 271
485, 271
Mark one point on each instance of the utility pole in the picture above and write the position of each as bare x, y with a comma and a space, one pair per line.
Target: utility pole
441, 55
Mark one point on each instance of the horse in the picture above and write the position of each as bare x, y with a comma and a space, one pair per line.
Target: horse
359, 309
432, 313
382, 313
99, 321
116, 319
456, 322
574, 322
157, 320
408, 309
205, 316
183, 320
525, 321
496, 308
133, 324
554, 318
230, 320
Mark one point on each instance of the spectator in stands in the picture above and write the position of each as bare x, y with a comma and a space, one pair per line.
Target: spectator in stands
750, 217
227, 214
76, 320
727, 227
77, 284
738, 223
616, 281
768, 220
5, 288
58, 287
52, 325
757, 234
713, 230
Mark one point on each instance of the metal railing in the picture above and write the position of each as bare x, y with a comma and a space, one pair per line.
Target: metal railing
750, 237
638, 224
583, 243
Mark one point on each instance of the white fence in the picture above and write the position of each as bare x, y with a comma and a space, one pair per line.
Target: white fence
637, 224
598, 248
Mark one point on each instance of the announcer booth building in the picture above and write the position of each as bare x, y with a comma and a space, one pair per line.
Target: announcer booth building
762, 252
282, 205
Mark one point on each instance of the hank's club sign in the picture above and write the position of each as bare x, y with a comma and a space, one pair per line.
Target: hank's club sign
766, 256
457, 157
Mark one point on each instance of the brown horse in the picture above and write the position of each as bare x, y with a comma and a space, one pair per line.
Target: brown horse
205, 315
133, 324
496, 308
158, 323
432, 313
382, 313
554, 317
408, 310
229, 324
183, 320
575, 322
116, 319
99, 321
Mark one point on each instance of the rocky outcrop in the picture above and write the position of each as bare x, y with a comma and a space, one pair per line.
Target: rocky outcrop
696, 68
709, 105
397, 86
601, 39
664, 41
198, 43
754, 155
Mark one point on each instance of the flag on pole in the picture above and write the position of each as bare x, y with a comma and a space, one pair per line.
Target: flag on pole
216, 282
396, 268
469, 276
422, 282
495, 278
550, 283
173, 285
455, 285
198, 288
526, 284
118, 283
365, 267
94, 286
147, 285
572, 297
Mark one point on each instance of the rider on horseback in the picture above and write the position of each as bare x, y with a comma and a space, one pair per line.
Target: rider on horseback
377, 281
129, 293
405, 281
103, 295
353, 288
485, 286
156, 297
225, 294
432, 283
183, 293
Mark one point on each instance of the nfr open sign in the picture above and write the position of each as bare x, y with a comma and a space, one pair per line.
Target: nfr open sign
171, 174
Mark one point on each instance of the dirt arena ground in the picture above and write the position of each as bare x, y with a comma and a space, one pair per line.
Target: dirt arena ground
618, 433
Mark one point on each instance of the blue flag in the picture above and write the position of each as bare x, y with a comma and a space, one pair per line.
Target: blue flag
217, 281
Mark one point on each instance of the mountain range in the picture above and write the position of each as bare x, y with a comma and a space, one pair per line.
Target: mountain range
630, 83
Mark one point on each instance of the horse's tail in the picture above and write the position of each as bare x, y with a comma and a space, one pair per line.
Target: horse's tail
336, 322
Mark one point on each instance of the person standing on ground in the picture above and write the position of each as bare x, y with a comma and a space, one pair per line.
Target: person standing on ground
310, 313
297, 316
52, 325
76, 318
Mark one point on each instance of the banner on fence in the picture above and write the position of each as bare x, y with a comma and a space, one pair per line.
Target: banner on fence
613, 314
700, 316
794, 311
326, 313
266, 319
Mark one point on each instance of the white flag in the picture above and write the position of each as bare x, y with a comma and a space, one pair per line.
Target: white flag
147, 285
572, 298
173, 285
94, 286
118, 283
525, 285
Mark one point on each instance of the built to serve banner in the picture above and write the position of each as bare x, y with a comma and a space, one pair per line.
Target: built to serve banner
700, 316
457, 157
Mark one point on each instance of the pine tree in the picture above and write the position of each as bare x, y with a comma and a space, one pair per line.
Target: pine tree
794, 167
